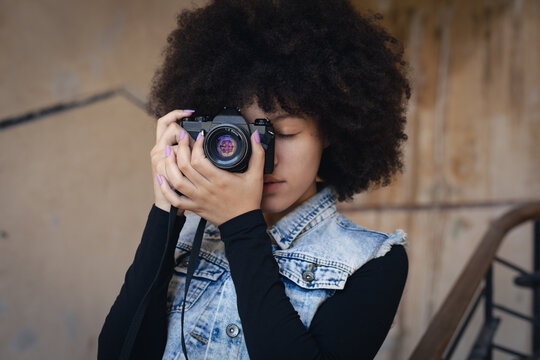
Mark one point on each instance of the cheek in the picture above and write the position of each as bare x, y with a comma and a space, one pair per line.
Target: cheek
288, 153
300, 158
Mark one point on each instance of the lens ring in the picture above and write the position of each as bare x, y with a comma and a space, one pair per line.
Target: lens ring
226, 146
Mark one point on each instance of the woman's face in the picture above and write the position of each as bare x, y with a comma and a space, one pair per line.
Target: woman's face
298, 150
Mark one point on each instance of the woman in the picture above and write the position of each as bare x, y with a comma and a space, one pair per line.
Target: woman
281, 274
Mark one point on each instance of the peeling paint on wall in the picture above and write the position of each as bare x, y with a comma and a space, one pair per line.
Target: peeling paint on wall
4, 306
66, 82
25, 339
54, 221
110, 36
72, 321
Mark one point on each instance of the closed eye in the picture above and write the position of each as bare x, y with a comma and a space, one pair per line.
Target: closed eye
285, 135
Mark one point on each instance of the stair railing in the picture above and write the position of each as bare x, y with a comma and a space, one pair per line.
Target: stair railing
442, 334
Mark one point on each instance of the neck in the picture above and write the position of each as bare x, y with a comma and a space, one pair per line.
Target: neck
273, 218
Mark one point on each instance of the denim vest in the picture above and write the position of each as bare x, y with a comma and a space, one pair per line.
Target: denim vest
317, 250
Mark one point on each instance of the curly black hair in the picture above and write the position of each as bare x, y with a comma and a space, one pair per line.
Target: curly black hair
318, 58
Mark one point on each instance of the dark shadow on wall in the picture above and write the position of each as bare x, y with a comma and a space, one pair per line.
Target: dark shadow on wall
71, 105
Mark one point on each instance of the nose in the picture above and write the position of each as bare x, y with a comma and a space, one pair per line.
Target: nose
275, 156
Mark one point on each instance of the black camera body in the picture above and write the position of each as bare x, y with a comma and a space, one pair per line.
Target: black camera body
227, 138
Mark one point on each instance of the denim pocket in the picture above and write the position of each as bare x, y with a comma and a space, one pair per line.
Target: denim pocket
205, 274
309, 281
312, 273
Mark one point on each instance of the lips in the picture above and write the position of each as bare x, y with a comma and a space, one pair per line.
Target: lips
271, 180
271, 185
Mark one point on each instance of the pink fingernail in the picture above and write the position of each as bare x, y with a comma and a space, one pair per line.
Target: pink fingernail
159, 179
257, 137
167, 150
191, 111
198, 136
182, 134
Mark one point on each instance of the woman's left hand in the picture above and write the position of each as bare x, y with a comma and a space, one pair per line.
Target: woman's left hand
214, 194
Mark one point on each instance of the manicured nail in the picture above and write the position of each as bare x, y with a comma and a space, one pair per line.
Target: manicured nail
200, 134
159, 179
182, 134
167, 150
191, 111
257, 137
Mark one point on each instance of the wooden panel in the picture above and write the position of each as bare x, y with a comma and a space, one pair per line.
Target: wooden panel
474, 116
473, 124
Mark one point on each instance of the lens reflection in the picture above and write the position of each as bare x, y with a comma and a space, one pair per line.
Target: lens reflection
225, 146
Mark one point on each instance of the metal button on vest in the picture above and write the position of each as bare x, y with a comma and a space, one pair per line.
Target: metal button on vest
232, 330
308, 276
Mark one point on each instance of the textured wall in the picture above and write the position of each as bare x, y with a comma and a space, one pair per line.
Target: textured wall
473, 125
76, 186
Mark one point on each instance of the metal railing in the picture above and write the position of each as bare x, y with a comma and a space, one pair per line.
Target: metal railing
444, 331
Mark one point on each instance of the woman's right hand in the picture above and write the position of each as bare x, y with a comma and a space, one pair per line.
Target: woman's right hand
167, 134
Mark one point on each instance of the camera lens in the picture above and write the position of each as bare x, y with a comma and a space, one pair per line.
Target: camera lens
226, 146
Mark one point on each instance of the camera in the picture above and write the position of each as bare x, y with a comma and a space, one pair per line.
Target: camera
227, 138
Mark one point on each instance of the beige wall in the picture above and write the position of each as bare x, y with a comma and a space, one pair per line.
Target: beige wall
473, 128
76, 186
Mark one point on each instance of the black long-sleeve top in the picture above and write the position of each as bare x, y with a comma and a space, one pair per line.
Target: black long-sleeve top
352, 324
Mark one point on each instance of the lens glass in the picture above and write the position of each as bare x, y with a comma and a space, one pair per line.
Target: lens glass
225, 146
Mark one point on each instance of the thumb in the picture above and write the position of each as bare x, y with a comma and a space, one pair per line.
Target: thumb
256, 162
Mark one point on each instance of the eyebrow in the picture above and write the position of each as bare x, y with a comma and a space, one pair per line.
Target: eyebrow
280, 117
284, 116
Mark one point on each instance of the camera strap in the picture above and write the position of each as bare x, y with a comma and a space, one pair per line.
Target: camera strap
192, 264
135, 325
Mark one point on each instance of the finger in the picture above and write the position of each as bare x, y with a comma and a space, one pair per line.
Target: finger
256, 162
199, 161
164, 122
180, 202
161, 167
183, 162
191, 140
176, 179
158, 157
171, 136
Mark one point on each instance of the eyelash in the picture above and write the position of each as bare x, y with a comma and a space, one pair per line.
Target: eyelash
285, 135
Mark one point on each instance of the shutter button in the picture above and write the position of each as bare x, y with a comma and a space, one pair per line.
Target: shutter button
308, 276
232, 330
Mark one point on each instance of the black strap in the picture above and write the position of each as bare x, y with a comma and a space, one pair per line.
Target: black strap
192, 264
135, 325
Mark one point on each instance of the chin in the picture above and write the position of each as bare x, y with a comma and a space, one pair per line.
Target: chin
271, 206
274, 205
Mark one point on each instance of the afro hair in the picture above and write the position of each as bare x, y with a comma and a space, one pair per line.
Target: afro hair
319, 59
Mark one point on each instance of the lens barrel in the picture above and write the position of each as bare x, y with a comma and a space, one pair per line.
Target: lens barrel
227, 146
